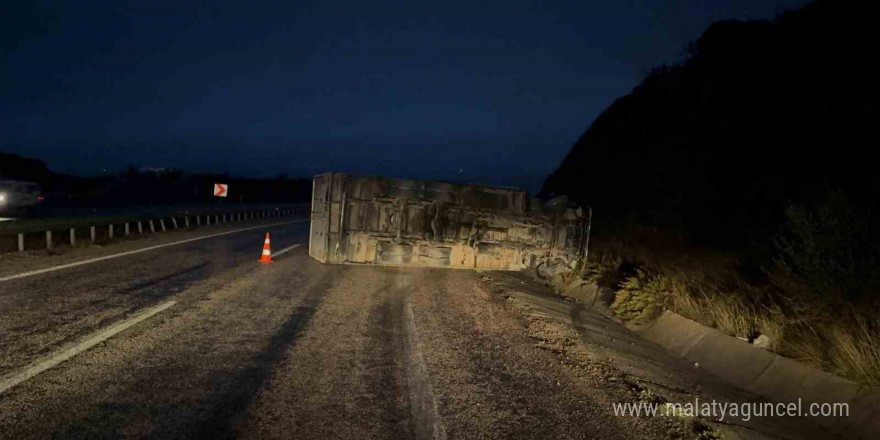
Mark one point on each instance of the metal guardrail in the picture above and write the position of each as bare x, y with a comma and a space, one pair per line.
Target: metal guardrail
121, 227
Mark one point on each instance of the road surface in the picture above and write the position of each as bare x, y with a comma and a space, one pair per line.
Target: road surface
297, 349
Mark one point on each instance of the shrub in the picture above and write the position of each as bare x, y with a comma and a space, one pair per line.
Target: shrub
603, 269
643, 297
818, 301
827, 258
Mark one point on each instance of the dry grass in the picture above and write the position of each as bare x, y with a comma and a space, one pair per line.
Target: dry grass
727, 313
850, 348
708, 289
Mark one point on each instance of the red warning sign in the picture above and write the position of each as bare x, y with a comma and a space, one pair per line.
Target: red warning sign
220, 189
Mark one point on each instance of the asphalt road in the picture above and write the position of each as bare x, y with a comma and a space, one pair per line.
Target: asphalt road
298, 349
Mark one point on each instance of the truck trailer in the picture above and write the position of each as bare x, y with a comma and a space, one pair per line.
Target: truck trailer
402, 222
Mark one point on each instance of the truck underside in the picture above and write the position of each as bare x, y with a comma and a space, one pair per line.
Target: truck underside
387, 221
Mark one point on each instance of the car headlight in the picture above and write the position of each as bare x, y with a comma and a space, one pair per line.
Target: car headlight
2, 198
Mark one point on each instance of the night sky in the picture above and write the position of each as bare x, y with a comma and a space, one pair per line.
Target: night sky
495, 92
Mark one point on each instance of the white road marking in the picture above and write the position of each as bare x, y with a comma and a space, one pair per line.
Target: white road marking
65, 354
5, 219
137, 251
287, 249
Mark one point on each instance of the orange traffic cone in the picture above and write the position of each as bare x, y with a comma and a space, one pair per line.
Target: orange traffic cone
267, 251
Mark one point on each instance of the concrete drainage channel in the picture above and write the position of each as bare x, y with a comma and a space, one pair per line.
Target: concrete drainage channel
770, 375
85, 232
748, 367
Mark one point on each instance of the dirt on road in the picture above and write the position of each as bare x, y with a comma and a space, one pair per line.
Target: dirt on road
302, 350
421, 354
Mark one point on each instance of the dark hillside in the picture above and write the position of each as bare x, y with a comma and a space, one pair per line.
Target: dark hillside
761, 114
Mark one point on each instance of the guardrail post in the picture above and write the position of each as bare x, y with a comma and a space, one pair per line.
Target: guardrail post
174, 222
216, 219
72, 237
92, 233
110, 231
198, 220
186, 222
140, 227
21, 242
162, 224
152, 227
127, 229
224, 218
48, 239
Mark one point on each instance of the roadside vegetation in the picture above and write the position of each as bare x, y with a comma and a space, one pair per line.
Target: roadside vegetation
752, 179
815, 298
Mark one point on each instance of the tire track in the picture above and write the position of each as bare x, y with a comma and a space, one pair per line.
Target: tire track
232, 403
399, 379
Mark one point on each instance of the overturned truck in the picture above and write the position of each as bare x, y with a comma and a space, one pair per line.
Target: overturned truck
400, 222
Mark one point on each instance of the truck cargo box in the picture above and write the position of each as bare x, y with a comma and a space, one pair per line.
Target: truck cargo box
387, 221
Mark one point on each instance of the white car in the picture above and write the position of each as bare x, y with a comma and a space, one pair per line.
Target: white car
17, 196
